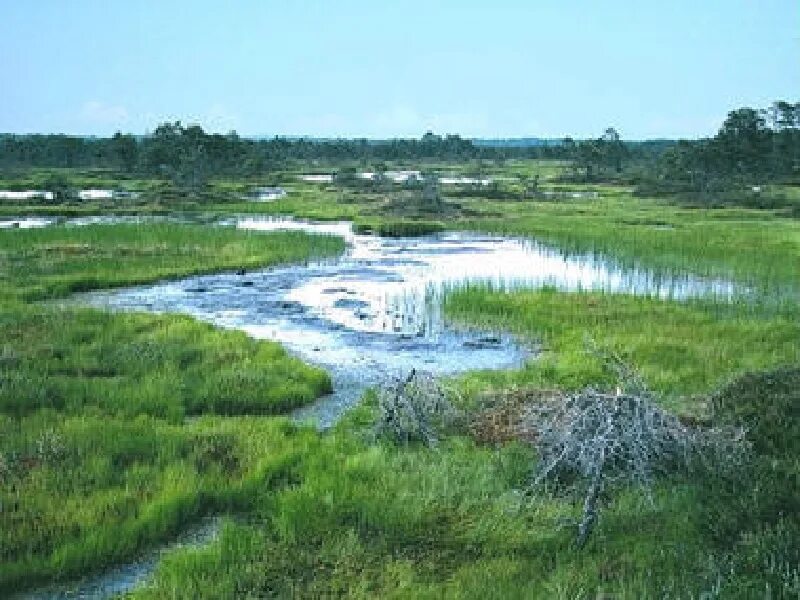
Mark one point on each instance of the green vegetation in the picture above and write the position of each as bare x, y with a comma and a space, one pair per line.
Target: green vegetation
396, 228
54, 262
374, 521
682, 348
97, 457
757, 248
76, 361
752, 149
118, 430
81, 492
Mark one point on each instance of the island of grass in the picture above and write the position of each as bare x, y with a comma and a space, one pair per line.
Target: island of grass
98, 458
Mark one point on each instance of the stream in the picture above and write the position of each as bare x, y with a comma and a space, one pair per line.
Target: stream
375, 313
367, 316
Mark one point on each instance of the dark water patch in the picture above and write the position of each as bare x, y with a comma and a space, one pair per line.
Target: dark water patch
127, 577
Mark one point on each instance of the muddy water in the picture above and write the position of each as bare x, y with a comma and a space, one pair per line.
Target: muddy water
375, 312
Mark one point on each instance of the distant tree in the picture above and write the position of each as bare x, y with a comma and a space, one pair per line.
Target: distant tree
430, 190
589, 158
125, 150
182, 154
59, 185
743, 142
784, 118
612, 149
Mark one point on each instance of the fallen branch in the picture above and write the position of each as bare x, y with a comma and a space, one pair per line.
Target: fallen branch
592, 441
415, 408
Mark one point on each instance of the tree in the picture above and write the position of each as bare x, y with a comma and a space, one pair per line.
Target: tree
589, 157
612, 149
743, 142
181, 153
430, 190
125, 150
59, 185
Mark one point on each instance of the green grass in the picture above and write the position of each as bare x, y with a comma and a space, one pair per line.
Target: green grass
99, 458
378, 521
682, 348
78, 360
756, 247
81, 492
398, 228
38, 264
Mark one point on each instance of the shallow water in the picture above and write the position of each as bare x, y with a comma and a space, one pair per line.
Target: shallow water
371, 314
124, 578
375, 312
39, 222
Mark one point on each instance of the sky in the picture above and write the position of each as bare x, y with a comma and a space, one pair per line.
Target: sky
380, 69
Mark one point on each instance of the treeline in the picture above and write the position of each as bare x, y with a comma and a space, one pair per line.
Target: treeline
188, 152
173, 142
752, 148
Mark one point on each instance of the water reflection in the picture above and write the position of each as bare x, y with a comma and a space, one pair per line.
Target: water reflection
376, 311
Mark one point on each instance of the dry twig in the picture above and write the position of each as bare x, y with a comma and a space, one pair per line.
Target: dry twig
415, 408
599, 440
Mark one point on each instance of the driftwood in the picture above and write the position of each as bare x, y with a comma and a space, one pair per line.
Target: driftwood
597, 440
415, 408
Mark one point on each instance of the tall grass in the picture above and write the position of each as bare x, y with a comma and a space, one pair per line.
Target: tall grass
374, 522
85, 491
682, 348
97, 459
54, 262
127, 365
755, 247
398, 228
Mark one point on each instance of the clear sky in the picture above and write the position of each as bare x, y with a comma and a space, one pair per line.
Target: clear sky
490, 68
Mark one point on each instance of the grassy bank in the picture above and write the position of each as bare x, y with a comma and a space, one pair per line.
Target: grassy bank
79, 360
378, 521
682, 348
82, 492
55, 262
757, 247
97, 458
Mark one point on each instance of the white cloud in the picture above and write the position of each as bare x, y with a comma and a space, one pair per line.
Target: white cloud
100, 113
217, 118
406, 121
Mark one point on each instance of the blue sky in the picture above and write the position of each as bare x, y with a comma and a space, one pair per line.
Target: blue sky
500, 68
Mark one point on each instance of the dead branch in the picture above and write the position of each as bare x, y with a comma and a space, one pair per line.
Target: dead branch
415, 408
592, 441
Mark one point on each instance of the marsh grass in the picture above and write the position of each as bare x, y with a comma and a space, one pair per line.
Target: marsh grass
128, 365
54, 262
97, 458
755, 247
398, 228
107, 462
366, 522
682, 348
115, 486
